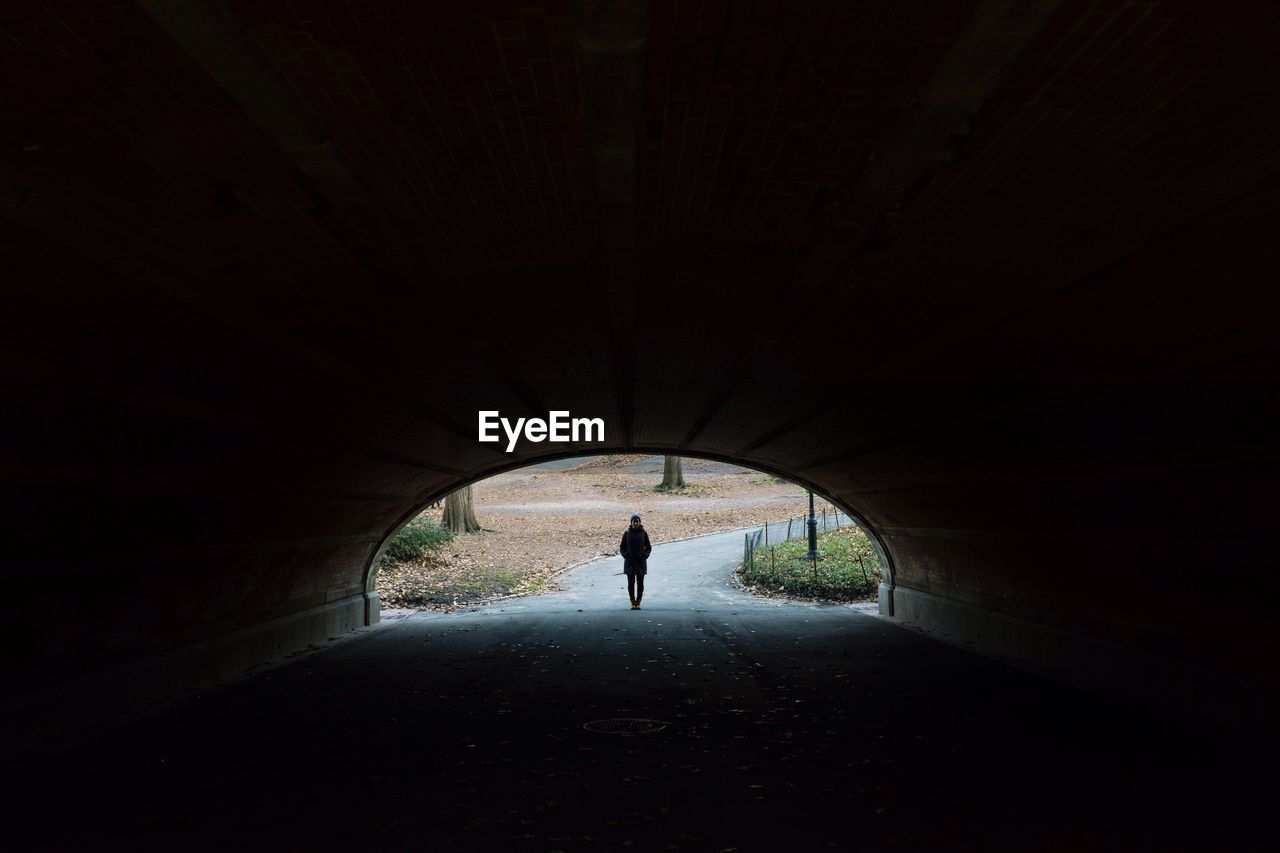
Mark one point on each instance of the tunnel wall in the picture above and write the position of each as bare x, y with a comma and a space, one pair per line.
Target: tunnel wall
251, 315
1123, 615
73, 707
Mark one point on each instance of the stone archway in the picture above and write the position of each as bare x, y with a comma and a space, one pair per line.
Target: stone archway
369, 571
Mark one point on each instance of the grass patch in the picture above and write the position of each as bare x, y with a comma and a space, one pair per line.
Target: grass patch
848, 569
535, 585
418, 539
478, 584
440, 584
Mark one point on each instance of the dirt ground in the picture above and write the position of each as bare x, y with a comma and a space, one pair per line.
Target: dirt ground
542, 519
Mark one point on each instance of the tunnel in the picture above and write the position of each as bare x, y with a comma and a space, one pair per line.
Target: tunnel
265, 262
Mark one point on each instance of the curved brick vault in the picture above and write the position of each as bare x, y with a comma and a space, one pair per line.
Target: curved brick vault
264, 262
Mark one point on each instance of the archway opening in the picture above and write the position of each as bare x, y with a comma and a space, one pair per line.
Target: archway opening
536, 522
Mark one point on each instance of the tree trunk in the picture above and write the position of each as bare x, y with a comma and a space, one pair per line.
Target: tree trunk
460, 513
672, 475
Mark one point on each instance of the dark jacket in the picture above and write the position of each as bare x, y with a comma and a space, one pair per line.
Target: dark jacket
635, 550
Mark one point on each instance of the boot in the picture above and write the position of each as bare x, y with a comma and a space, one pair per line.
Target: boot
635, 605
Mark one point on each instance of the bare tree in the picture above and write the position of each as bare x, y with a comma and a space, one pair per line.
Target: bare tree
672, 474
459, 512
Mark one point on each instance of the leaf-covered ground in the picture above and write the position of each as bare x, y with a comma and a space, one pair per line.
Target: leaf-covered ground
540, 520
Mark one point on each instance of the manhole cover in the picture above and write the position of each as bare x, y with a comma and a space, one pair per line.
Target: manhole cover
625, 726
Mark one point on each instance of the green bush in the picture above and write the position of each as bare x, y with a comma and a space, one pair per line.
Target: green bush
416, 540
847, 567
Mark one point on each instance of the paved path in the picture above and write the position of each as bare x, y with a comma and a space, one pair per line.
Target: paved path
788, 727
691, 576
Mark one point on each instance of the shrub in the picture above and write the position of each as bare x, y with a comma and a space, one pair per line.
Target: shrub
416, 540
847, 567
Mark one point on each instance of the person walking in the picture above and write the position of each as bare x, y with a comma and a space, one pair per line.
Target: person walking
635, 551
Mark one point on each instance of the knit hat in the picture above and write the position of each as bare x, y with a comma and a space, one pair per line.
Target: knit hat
635, 517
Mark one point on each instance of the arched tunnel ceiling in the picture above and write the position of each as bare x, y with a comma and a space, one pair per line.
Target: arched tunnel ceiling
266, 261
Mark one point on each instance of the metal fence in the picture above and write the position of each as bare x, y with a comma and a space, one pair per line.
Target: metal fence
792, 528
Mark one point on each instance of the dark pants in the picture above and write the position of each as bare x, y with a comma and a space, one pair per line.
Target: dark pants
635, 586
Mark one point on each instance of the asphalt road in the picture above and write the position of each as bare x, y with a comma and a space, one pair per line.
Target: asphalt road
786, 726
